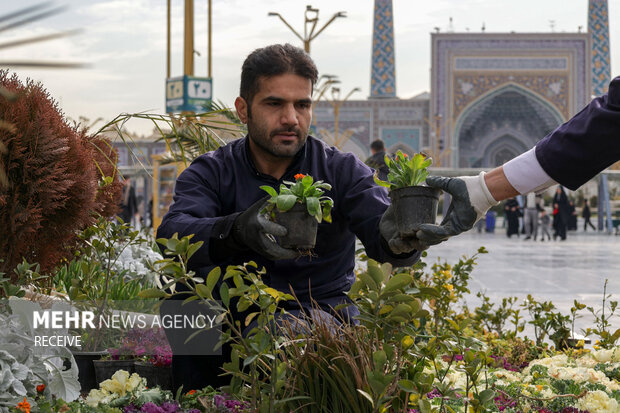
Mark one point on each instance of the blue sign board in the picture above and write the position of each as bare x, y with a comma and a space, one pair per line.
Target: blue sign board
188, 94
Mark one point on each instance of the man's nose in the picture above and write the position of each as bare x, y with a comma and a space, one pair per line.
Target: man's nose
289, 115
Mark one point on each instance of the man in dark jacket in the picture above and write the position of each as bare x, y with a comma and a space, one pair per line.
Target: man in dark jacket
218, 198
377, 159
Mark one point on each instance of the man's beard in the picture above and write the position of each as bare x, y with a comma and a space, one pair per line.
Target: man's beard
264, 140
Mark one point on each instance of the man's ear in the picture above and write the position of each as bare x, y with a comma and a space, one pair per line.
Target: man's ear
242, 109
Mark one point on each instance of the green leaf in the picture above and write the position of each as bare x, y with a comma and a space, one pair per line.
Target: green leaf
203, 291
398, 281
313, 206
285, 202
212, 279
407, 385
375, 272
367, 396
153, 293
269, 190
224, 295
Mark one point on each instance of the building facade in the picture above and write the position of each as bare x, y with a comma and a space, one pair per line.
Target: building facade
495, 95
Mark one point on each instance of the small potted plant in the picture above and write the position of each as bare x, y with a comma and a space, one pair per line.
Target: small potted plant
299, 207
413, 203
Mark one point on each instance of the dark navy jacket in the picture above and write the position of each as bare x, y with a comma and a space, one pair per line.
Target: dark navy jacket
585, 145
220, 183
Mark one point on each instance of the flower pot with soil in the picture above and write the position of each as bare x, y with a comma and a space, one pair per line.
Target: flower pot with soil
86, 368
299, 206
413, 203
105, 369
155, 375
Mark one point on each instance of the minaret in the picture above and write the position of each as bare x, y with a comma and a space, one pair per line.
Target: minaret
383, 71
598, 27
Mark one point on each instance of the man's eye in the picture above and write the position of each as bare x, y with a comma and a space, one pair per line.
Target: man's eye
304, 105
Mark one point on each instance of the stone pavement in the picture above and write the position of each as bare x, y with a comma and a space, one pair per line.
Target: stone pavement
557, 271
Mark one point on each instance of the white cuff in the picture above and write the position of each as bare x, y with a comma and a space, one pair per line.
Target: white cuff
525, 173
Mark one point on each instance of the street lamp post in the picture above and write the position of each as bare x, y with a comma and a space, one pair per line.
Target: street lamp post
311, 19
339, 140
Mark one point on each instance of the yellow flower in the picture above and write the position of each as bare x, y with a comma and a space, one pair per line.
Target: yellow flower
121, 383
406, 342
413, 398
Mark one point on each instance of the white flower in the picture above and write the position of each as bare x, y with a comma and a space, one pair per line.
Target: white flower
121, 383
598, 401
605, 356
509, 376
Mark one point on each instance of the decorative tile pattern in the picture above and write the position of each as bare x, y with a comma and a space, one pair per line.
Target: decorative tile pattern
383, 71
510, 63
445, 47
598, 27
553, 88
407, 136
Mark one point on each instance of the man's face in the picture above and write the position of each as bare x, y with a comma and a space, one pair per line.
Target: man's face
279, 117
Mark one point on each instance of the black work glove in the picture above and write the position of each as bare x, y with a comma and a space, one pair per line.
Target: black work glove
471, 200
253, 230
397, 243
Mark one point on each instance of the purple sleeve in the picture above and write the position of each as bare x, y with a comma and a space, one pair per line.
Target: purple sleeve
585, 145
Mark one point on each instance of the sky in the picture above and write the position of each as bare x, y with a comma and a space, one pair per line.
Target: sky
124, 44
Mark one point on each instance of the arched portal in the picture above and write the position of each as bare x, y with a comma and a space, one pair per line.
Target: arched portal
502, 124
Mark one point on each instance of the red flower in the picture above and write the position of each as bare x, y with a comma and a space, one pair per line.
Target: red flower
189, 393
299, 176
40, 388
23, 406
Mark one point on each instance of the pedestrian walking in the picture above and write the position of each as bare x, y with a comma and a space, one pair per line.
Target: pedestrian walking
530, 216
512, 212
545, 220
560, 222
586, 216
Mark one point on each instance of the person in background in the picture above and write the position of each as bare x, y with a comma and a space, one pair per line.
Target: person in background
572, 216
512, 212
586, 214
589, 139
561, 224
530, 216
129, 203
377, 159
544, 225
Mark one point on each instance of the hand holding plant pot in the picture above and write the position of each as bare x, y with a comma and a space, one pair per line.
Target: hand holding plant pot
299, 207
412, 204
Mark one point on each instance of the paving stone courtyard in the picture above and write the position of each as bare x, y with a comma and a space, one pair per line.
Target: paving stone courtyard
557, 271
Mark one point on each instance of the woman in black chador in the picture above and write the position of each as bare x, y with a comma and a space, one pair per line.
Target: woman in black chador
513, 212
560, 220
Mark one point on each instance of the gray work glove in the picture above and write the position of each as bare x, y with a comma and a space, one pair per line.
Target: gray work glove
253, 230
397, 242
471, 200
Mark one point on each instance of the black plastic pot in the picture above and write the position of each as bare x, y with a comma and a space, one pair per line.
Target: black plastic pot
155, 375
301, 228
414, 205
105, 369
86, 368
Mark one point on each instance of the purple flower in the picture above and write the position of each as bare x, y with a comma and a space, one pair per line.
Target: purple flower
151, 407
194, 411
170, 407
130, 408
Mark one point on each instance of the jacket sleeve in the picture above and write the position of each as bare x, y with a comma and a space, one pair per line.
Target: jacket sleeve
585, 145
364, 203
196, 210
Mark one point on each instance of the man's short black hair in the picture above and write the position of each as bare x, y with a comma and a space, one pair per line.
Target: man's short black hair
377, 145
271, 61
